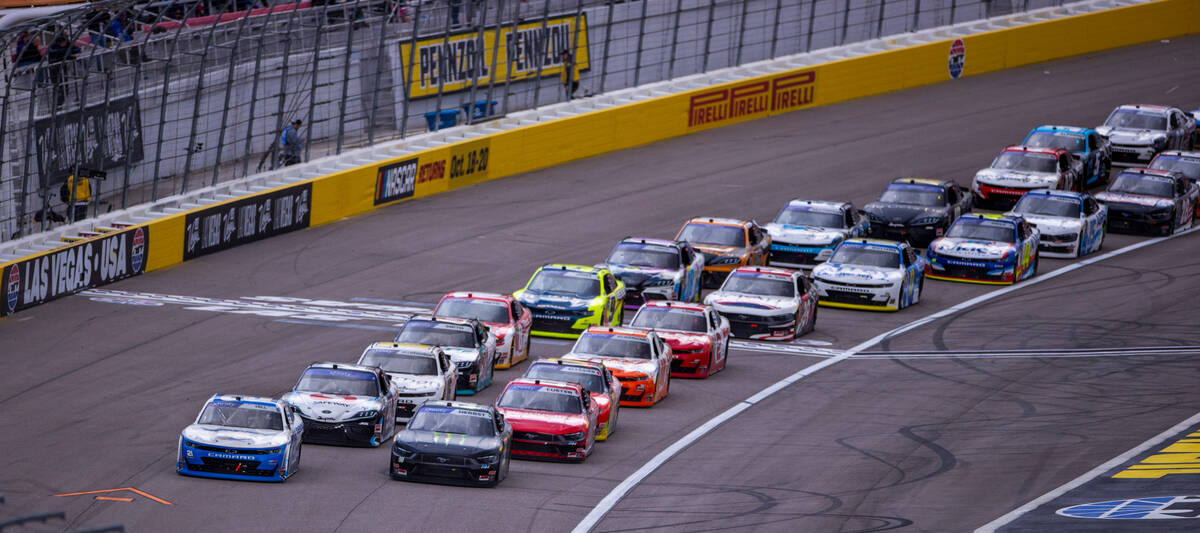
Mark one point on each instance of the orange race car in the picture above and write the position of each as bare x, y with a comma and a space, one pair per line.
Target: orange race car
726, 244
638, 358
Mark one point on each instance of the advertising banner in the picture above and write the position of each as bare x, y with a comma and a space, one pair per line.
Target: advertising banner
246, 220
752, 99
464, 59
99, 137
83, 265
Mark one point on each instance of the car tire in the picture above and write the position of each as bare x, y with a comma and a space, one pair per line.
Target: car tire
1105, 170
920, 289
711, 368
903, 289
725, 361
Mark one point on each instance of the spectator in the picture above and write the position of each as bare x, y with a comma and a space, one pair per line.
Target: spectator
97, 25
119, 29
289, 141
61, 51
569, 79
28, 50
455, 8
79, 195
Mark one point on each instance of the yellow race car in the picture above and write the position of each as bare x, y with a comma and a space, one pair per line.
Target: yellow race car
566, 299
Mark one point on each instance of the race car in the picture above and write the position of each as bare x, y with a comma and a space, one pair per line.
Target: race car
805, 232
455, 443
725, 244
1187, 163
697, 334
871, 274
1137, 132
1071, 224
991, 249
567, 299
1085, 144
1020, 169
766, 303
241, 437
420, 372
593, 377
467, 341
551, 420
656, 269
916, 210
637, 357
1142, 200
507, 320
345, 404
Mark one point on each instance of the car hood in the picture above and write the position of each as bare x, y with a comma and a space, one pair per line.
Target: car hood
416, 383
683, 339
458, 353
750, 303
1051, 225
805, 234
1135, 199
228, 437
543, 421
890, 212
1130, 135
970, 248
712, 250
635, 276
1016, 178
618, 365
554, 300
447, 443
863, 274
329, 407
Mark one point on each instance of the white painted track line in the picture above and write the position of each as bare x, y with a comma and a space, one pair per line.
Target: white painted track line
610, 500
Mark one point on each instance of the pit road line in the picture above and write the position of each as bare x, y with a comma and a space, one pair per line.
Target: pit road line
617, 493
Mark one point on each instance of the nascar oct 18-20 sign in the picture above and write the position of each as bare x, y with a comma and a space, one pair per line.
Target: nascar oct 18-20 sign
462, 60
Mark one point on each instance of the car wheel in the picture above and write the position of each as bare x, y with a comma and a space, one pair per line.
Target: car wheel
1171, 230
1033, 269
710, 367
527, 341
725, 360
1105, 169
920, 289
903, 291
812, 322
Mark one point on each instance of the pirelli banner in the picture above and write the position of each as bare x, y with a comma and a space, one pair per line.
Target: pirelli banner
497, 55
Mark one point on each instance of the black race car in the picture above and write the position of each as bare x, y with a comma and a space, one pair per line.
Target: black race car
917, 210
453, 442
1143, 200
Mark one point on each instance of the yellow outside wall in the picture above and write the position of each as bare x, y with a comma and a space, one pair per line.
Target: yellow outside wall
351, 192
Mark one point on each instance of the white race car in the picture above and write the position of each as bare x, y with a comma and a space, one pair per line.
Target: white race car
345, 404
805, 232
871, 274
766, 303
242, 437
420, 372
467, 341
1020, 169
1072, 224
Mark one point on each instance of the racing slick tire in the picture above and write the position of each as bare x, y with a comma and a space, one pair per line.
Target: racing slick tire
725, 361
1174, 223
1105, 170
1036, 260
920, 289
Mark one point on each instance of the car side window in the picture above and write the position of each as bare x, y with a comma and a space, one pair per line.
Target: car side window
910, 257
514, 311
849, 216
951, 195
1092, 143
610, 284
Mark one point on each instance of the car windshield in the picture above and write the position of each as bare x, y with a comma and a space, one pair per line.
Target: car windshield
613, 345
983, 230
644, 255
484, 310
1137, 119
926, 195
759, 284
400, 363
574, 282
1190, 167
338, 381
1051, 206
1071, 142
541, 398
866, 255
455, 420
1131, 183
437, 334
1025, 161
589, 378
718, 234
670, 318
241, 415
794, 215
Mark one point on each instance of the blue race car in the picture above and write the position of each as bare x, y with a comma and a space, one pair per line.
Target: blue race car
242, 437
1085, 144
991, 249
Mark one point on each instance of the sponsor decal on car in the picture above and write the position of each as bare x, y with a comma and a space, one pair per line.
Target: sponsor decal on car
396, 181
957, 59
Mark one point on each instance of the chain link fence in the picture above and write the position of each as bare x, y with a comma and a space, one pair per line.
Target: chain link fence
152, 100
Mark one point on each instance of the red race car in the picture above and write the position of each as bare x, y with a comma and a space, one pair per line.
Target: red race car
637, 357
551, 420
697, 334
594, 378
508, 320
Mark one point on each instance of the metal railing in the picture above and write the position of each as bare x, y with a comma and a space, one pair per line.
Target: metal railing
194, 93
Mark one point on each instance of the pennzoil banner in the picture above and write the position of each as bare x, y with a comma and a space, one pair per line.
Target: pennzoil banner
464, 59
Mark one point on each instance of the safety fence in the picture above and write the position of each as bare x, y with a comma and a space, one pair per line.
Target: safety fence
153, 100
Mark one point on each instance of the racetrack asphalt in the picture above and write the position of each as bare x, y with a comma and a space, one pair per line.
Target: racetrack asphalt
93, 393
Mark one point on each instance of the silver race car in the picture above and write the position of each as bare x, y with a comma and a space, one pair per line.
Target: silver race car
871, 274
805, 232
766, 303
467, 341
242, 437
1072, 223
420, 372
1138, 132
656, 269
345, 404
